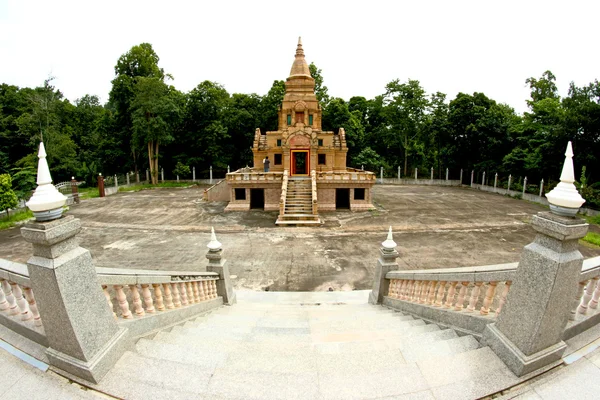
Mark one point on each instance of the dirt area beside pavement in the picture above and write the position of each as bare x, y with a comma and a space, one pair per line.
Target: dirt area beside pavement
169, 228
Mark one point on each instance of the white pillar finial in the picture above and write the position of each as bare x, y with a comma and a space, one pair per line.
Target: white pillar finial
389, 243
214, 244
46, 202
564, 199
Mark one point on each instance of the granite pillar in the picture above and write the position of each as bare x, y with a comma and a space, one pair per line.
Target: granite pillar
83, 336
216, 263
385, 263
528, 333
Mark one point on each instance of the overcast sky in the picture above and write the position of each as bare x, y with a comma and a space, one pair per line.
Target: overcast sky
449, 46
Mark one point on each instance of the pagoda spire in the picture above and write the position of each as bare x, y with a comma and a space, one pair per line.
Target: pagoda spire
299, 67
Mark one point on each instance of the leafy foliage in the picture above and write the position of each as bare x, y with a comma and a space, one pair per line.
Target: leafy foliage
8, 198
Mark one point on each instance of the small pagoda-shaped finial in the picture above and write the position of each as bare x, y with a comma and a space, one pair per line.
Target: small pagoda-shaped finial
46, 203
299, 49
214, 244
389, 244
564, 199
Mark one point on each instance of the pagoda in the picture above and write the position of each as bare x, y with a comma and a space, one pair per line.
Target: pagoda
308, 169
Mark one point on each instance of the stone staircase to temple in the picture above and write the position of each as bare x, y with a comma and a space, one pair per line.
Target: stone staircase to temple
298, 204
298, 347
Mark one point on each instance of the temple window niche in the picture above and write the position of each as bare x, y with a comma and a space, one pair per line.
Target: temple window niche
299, 117
289, 119
310, 119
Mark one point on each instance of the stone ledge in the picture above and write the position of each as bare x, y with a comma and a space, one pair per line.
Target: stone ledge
466, 323
519, 363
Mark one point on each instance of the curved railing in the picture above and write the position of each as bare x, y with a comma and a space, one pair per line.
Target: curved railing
584, 312
466, 299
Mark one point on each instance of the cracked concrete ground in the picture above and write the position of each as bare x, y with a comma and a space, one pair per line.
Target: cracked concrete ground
168, 229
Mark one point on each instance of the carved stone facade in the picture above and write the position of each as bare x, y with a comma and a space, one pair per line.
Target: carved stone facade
299, 129
300, 150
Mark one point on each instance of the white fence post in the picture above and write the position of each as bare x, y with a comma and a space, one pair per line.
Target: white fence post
472, 177
416, 171
524, 186
194, 174
461, 176
447, 173
431, 173
210, 174
541, 187
483, 179
399, 169
162, 174
116, 182
509, 181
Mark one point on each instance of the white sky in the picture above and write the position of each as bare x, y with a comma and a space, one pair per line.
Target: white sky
449, 46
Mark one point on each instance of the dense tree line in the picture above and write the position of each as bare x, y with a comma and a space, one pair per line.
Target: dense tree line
148, 124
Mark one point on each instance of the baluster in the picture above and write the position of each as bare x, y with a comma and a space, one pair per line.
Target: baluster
460, 302
108, 300
190, 292
577, 300
404, 289
3, 303
122, 300
474, 296
431, 296
196, 292
503, 297
213, 284
594, 302
423, 294
168, 296
440, 294
589, 292
147, 295
489, 298
37, 320
183, 294
209, 294
175, 291
416, 291
21, 302
160, 305
202, 288
137, 301
450, 296
391, 288
396, 290
10, 298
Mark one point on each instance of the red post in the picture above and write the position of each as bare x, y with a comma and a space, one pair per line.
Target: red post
101, 185
74, 190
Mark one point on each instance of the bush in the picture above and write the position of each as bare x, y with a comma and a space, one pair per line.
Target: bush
8, 198
181, 170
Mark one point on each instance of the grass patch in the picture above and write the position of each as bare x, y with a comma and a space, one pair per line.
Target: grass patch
137, 188
593, 220
593, 238
16, 216
88, 192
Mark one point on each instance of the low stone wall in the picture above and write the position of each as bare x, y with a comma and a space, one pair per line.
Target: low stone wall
218, 192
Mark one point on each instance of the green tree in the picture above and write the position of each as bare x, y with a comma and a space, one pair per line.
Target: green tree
406, 106
320, 89
270, 105
8, 198
154, 114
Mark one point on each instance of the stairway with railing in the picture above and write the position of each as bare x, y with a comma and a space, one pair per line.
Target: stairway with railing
298, 203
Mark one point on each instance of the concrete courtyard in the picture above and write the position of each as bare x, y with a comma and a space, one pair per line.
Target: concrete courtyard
168, 229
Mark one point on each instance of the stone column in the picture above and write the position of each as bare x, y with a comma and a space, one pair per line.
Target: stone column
509, 181
495, 181
101, 192
216, 263
460, 176
84, 338
447, 173
524, 187
210, 175
399, 170
416, 173
541, 187
528, 332
472, 177
381, 175
431, 173
483, 179
385, 263
194, 174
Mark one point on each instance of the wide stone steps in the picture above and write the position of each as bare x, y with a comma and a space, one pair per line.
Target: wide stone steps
306, 350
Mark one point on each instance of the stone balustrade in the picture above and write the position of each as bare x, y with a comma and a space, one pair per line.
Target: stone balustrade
584, 311
441, 294
253, 175
350, 174
154, 291
284, 187
315, 205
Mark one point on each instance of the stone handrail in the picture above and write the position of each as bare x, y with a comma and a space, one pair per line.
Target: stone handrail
584, 312
18, 307
346, 175
313, 177
252, 174
205, 195
160, 290
469, 291
284, 185
149, 292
